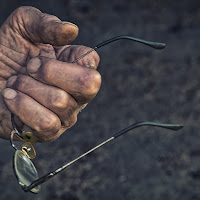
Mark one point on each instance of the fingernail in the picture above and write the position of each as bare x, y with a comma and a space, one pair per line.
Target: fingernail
10, 82
92, 64
64, 22
33, 65
9, 93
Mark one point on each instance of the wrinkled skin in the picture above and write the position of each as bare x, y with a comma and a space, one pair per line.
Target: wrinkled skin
39, 84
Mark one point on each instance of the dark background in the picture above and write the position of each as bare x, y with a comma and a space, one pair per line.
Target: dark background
139, 83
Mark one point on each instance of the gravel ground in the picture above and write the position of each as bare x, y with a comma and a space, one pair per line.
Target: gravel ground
138, 83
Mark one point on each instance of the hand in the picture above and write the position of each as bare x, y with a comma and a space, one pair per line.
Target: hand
39, 84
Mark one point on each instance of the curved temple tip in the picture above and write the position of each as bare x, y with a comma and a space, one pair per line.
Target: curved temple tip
174, 127
155, 45
160, 45
178, 126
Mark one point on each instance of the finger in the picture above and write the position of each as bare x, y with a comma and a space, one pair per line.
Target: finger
73, 52
26, 128
81, 82
39, 27
53, 98
45, 123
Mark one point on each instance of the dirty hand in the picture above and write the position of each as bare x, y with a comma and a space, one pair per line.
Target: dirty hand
39, 83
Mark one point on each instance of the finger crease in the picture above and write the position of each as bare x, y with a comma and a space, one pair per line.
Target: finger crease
9, 62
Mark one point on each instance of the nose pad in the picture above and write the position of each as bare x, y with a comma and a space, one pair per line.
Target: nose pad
28, 149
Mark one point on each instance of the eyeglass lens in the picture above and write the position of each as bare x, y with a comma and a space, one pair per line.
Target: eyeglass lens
25, 170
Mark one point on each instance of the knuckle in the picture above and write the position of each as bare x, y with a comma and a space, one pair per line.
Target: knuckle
59, 99
70, 121
19, 10
49, 136
21, 17
90, 82
22, 10
49, 124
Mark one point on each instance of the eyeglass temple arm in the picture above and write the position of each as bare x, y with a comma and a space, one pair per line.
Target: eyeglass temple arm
15, 130
14, 126
46, 177
155, 45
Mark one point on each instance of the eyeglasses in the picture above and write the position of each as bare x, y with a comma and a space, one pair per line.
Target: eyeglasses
24, 168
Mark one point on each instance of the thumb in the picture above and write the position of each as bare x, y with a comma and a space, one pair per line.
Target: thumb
39, 27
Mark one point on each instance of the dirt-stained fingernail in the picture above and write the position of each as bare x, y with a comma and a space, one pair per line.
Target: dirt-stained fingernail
9, 93
33, 65
10, 82
92, 64
65, 22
